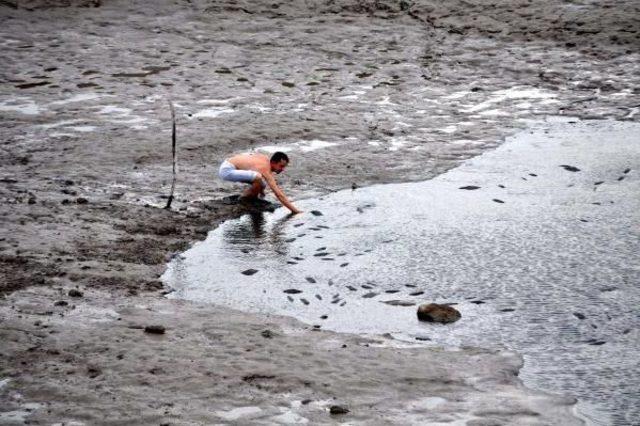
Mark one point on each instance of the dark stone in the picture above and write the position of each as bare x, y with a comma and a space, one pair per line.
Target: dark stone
469, 187
352, 288
423, 338
570, 168
477, 302
316, 212
398, 302
369, 295
305, 301
342, 265
75, 293
600, 182
61, 303
155, 329
310, 279
267, 334
292, 291
338, 409
433, 312
507, 310
249, 272
416, 293
498, 201
579, 315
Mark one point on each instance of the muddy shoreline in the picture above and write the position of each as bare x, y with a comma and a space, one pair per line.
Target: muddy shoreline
86, 149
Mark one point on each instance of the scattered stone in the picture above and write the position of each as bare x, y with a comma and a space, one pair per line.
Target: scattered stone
267, 334
61, 303
316, 213
469, 187
368, 287
93, 372
342, 265
398, 302
155, 329
507, 310
416, 293
318, 297
600, 182
579, 315
338, 409
433, 312
324, 317
392, 291
498, 201
570, 168
249, 272
477, 302
292, 291
81, 200
370, 295
423, 338
352, 288
305, 301
288, 84
75, 293
502, 186
533, 174
310, 279
626, 171
621, 178
290, 298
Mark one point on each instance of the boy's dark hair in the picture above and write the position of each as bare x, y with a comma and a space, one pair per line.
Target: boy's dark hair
279, 156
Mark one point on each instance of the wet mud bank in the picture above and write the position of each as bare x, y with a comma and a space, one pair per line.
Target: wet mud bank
357, 94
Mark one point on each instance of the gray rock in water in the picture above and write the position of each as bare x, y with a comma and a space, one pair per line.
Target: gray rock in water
433, 312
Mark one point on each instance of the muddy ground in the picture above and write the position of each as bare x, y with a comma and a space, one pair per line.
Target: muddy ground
396, 91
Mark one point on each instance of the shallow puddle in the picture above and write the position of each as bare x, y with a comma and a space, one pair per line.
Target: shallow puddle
539, 252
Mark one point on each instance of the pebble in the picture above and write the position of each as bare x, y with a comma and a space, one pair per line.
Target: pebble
498, 201
338, 409
154, 329
398, 302
369, 295
316, 212
342, 265
310, 279
469, 187
292, 291
305, 301
75, 293
249, 271
570, 168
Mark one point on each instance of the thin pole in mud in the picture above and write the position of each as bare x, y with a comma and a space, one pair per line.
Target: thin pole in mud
173, 153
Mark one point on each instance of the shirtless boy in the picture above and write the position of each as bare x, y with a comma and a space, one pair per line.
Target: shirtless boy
257, 170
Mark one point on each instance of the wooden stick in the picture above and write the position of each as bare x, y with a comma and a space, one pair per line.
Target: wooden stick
173, 153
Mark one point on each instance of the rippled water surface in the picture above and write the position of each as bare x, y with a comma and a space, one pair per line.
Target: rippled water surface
543, 258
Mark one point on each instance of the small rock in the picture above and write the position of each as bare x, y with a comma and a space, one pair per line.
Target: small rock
292, 291
81, 200
498, 201
249, 272
155, 329
305, 301
398, 302
310, 279
469, 187
61, 303
369, 295
338, 409
75, 293
569, 168
433, 312
267, 334
579, 315
316, 212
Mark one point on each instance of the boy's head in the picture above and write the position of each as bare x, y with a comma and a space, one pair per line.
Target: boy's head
279, 160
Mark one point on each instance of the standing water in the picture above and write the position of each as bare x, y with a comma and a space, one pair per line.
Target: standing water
537, 244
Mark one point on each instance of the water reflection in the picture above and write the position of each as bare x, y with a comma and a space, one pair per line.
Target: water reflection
257, 231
